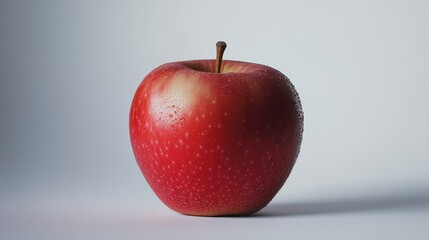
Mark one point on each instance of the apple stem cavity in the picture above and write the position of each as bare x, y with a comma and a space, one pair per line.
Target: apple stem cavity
220, 48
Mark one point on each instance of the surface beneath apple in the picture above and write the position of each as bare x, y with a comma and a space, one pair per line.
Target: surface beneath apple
216, 143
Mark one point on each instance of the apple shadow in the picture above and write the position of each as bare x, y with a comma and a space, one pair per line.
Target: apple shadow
391, 201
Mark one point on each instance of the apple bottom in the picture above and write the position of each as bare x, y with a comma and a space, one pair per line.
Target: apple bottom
229, 207
219, 187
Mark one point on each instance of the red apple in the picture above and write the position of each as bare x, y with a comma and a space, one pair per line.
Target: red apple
213, 143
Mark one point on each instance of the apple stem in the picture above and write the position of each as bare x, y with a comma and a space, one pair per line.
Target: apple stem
220, 48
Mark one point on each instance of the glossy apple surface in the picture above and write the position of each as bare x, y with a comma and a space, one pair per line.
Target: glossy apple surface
214, 144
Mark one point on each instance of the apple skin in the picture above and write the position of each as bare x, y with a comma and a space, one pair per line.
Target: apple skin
212, 144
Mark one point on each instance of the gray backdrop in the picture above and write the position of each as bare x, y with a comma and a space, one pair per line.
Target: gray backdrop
69, 69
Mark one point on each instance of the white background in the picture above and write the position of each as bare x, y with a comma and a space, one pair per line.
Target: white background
69, 70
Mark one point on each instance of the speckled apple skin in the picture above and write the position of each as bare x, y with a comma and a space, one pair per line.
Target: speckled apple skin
214, 144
